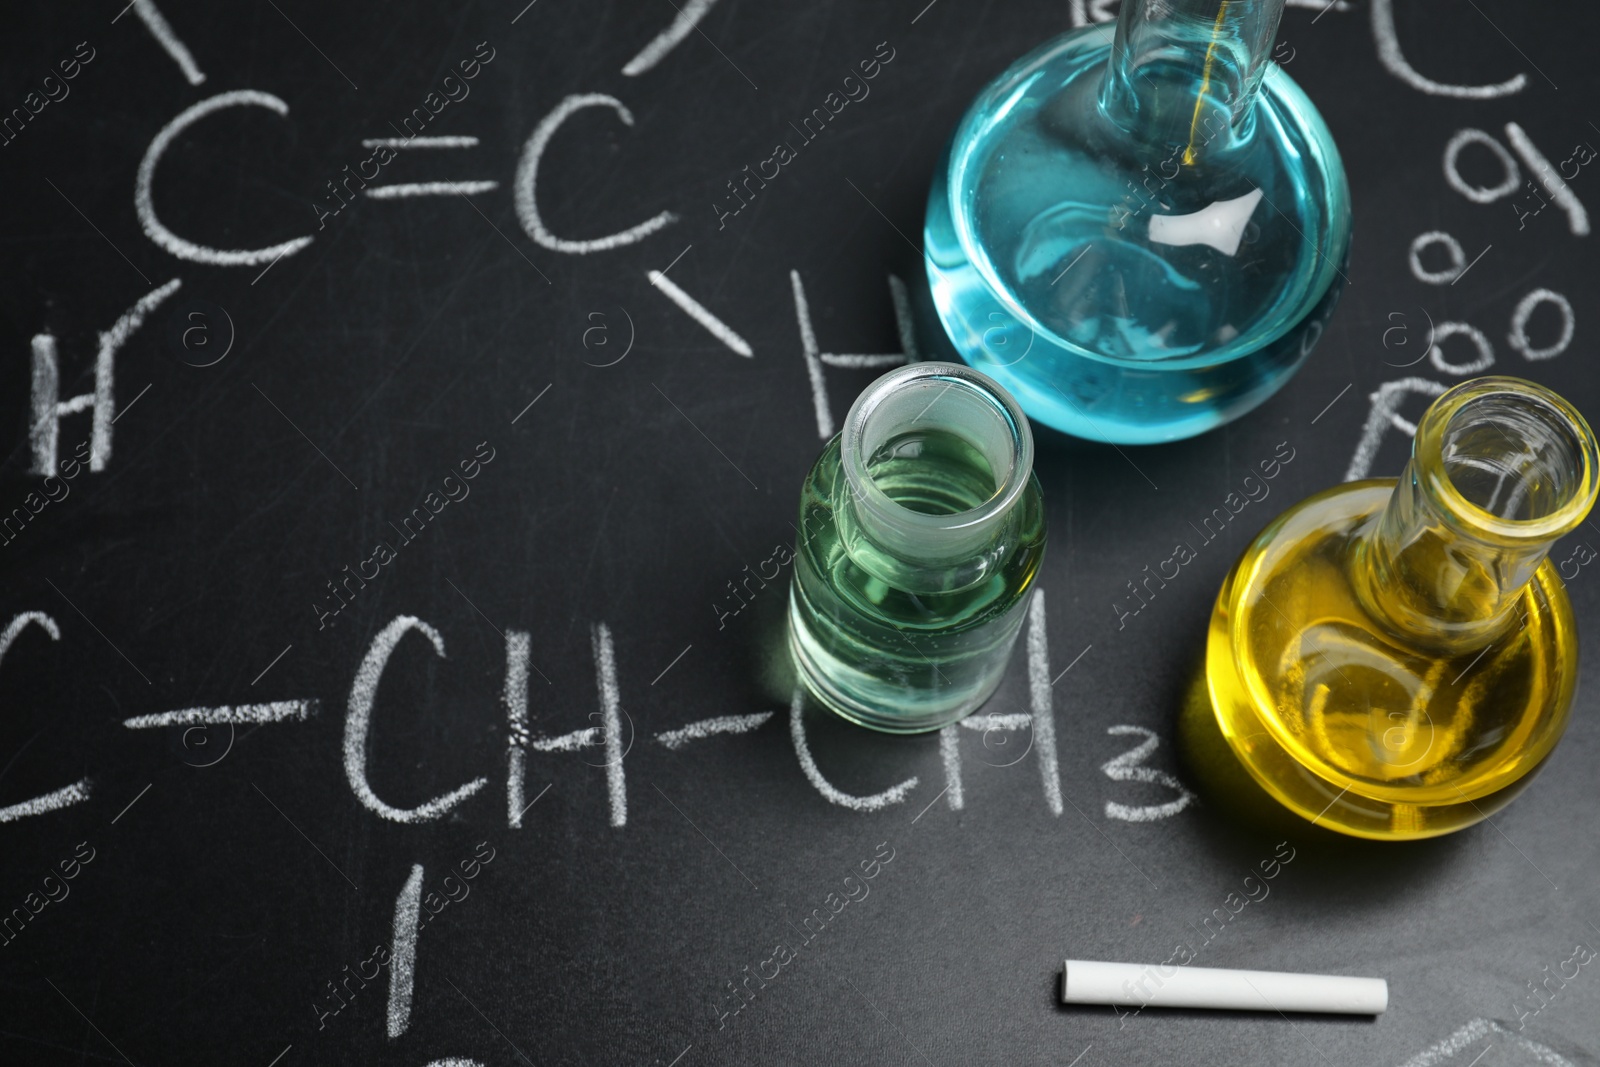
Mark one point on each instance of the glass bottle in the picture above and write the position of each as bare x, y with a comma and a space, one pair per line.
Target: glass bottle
1141, 236
1394, 659
922, 528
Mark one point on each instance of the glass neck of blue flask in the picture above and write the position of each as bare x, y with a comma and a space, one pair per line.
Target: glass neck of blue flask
1183, 74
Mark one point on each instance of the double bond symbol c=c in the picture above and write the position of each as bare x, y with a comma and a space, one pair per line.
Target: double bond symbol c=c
400, 190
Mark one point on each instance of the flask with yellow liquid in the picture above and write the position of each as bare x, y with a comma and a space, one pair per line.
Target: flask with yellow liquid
1394, 659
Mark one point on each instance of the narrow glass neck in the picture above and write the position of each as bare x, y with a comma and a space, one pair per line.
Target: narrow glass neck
1183, 73
909, 494
1500, 469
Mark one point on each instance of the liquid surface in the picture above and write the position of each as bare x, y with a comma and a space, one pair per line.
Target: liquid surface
933, 473
1355, 727
1119, 293
891, 643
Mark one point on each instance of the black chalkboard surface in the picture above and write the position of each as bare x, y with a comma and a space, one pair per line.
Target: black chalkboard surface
289, 282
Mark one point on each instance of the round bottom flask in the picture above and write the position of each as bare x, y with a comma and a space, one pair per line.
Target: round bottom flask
1395, 659
1141, 236
922, 529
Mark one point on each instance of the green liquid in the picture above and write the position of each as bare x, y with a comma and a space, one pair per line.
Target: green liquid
932, 472
906, 645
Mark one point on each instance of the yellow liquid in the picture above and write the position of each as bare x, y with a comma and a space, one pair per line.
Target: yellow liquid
1351, 725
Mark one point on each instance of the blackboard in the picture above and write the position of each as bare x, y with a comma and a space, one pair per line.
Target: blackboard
572, 379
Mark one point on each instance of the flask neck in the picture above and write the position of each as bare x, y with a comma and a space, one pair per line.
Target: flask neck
1183, 74
1500, 469
936, 457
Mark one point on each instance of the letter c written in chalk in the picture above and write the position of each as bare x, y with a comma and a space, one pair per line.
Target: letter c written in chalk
145, 206
528, 176
358, 726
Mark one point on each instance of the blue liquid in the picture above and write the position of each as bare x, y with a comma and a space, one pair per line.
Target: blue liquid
1051, 277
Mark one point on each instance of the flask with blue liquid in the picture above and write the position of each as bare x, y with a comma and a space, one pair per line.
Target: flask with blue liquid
1141, 233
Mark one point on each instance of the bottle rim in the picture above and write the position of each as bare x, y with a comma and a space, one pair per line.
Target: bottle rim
1447, 414
951, 530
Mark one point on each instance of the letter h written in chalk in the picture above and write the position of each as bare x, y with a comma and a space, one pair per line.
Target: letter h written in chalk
47, 408
606, 741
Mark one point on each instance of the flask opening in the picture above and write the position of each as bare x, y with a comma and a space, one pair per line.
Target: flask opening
1500, 468
1509, 460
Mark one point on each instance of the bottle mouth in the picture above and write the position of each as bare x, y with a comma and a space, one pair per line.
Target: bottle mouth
1510, 460
948, 399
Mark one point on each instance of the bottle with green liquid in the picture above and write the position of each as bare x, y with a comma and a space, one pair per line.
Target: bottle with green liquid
1395, 659
922, 528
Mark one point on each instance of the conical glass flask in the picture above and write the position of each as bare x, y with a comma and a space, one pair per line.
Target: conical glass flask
1395, 659
1141, 235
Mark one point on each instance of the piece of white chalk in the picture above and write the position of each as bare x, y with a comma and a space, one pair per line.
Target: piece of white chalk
1171, 986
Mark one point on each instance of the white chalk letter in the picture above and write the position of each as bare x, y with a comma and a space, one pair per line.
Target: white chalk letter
815, 358
1446, 330
1480, 194
358, 724
607, 736
1518, 337
1452, 247
1394, 60
895, 794
527, 199
1385, 413
1040, 721
1129, 767
145, 205
48, 407
66, 796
